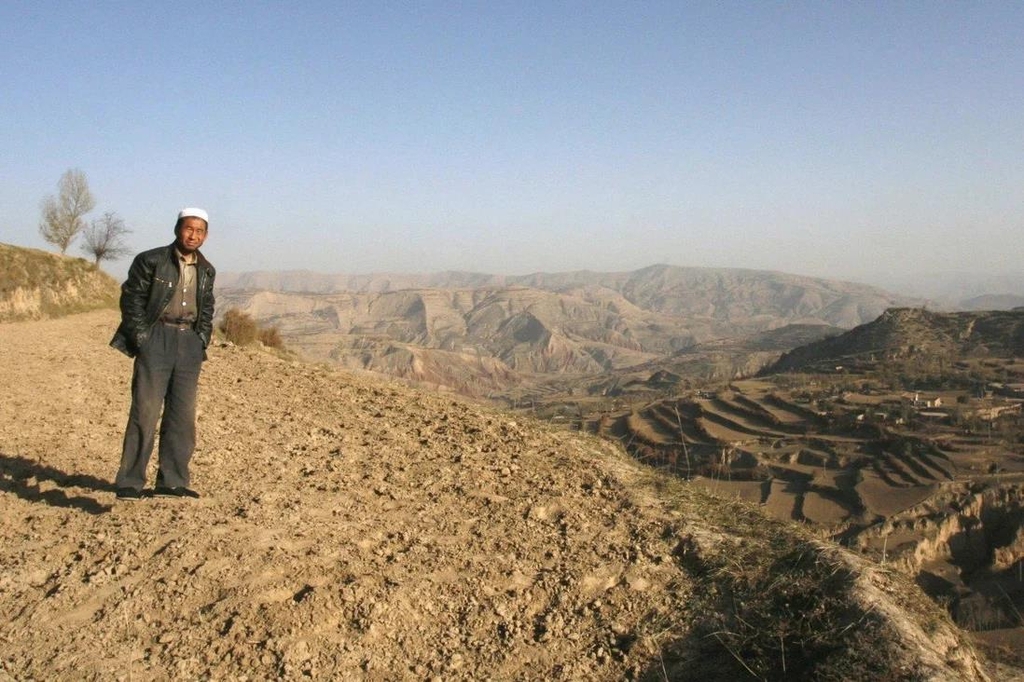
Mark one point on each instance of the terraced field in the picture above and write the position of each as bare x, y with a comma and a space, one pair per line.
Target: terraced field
945, 504
800, 462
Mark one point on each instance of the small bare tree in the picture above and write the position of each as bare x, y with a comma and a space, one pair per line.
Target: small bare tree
104, 239
62, 215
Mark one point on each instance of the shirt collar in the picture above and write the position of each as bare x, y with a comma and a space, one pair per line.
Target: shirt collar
190, 259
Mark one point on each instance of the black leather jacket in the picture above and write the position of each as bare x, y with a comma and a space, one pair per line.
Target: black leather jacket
147, 291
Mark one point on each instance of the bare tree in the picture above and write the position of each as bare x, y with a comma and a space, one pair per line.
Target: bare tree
62, 215
104, 239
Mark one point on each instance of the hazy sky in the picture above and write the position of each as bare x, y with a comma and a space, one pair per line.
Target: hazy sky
846, 139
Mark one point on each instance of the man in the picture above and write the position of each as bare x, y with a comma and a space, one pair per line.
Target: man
166, 323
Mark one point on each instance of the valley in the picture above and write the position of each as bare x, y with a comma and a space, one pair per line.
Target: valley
898, 433
902, 439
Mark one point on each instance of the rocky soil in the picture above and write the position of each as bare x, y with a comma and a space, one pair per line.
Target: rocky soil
352, 529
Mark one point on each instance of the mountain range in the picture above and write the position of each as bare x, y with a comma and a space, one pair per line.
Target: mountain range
481, 334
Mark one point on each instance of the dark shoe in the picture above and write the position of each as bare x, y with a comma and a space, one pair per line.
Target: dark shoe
129, 494
176, 492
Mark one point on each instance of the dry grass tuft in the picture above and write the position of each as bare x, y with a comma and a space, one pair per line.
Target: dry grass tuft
771, 604
241, 329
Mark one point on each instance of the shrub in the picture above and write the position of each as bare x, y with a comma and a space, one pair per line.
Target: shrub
271, 337
238, 327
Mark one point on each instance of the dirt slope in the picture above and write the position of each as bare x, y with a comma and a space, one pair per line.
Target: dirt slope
354, 530
36, 284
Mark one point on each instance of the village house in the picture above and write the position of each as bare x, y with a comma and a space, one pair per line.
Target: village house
919, 403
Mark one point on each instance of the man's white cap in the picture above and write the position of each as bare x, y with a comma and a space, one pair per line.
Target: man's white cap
194, 213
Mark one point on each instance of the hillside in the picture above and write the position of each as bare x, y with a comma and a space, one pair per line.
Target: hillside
36, 284
355, 529
914, 335
902, 438
509, 336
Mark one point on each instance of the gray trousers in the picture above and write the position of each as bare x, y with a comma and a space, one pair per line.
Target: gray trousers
166, 376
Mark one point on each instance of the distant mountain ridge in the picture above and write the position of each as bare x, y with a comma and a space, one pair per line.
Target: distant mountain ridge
994, 302
716, 293
959, 290
479, 333
308, 281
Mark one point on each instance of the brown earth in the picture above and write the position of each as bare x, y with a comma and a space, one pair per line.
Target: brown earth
37, 284
352, 529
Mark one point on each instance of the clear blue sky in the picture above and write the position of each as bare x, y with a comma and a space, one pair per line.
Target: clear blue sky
840, 139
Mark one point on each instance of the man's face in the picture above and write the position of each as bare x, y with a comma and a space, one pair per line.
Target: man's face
191, 234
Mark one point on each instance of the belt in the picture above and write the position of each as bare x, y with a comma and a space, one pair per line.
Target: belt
177, 324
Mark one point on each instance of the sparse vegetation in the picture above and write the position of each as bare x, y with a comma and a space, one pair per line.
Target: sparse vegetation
63, 215
241, 329
271, 337
104, 239
238, 327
